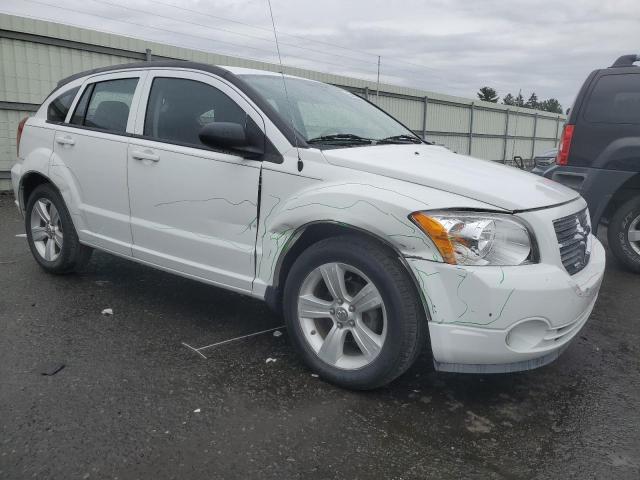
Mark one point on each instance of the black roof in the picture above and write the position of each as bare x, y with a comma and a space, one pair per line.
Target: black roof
281, 123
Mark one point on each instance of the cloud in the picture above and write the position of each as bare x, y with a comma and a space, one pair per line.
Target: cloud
446, 46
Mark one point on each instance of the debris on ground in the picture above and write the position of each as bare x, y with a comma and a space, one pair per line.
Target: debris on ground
197, 410
269, 360
277, 333
51, 369
107, 312
314, 375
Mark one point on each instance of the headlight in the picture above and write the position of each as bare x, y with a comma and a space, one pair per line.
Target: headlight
476, 238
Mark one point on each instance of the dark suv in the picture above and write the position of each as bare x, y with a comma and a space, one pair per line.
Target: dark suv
599, 154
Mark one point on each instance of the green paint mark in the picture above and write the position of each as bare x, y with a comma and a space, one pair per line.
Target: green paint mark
466, 305
212, 199
264, 233
494, 320
249, 226
421, 276
504, 305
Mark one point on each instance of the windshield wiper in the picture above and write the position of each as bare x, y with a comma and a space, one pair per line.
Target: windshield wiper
340, 138
403, 138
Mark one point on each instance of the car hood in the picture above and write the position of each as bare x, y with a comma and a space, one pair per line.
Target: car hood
483, 180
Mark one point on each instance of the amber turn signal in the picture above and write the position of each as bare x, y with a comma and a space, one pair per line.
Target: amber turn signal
438, 235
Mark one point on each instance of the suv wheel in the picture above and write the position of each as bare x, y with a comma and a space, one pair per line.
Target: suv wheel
353, 312
624, 234
50, 232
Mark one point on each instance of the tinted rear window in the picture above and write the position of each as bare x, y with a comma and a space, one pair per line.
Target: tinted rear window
105, 105
615, 99
59, 107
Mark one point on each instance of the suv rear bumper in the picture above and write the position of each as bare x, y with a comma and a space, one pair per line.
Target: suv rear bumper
505, 319
597, 186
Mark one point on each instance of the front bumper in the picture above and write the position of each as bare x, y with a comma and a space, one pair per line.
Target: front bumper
504, 319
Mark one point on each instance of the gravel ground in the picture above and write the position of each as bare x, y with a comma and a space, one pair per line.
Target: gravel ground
133, 402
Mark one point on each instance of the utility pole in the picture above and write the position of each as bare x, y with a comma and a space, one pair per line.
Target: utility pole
378, 80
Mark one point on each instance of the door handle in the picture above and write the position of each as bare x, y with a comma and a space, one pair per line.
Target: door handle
66, 140
145, 155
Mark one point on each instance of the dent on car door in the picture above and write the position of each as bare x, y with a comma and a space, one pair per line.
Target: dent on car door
90, 158
193, 210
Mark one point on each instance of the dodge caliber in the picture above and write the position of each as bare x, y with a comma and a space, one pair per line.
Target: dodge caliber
372, 243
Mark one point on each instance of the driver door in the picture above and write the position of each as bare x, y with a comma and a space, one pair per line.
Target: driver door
193, 209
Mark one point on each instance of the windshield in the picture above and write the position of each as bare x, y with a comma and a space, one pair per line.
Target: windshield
328, 116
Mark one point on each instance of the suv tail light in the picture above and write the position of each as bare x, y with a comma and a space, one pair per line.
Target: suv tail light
565, 144
19, 134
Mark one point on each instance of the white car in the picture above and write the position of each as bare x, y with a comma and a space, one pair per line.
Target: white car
372, 243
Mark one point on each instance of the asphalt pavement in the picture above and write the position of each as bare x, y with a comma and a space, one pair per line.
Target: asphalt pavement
86, 395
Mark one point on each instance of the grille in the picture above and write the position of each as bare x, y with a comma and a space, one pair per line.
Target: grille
573, 240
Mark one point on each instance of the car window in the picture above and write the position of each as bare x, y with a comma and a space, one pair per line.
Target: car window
322, 118
615, 99
105, 105
317, 109
178, 109
59, 107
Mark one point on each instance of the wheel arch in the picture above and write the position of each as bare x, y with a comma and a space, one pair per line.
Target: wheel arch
29, 181
629, 189
310, 233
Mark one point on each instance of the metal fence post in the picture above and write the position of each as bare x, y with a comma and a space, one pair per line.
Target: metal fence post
506, 138
424, 118
366, 93
557, 130
147, 55
535, 132
471, 127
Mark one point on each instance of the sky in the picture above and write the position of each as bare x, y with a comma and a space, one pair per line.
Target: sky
445, 46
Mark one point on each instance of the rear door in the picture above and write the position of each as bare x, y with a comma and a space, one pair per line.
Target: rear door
92, 145
193, 209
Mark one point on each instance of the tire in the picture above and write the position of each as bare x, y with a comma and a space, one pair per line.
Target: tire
65, 254
401, 314
626, 218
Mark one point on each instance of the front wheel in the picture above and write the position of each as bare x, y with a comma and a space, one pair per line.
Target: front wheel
353, 312
623, 233
50, 232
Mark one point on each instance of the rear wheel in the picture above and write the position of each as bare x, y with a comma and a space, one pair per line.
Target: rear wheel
353, 312
50, 232
624, 234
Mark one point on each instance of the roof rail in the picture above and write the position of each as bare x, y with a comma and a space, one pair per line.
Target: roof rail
626, 61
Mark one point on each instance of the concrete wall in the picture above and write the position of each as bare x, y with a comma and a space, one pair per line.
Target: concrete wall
35, 54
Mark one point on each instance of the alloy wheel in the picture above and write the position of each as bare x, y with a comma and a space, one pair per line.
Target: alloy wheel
633, 234
342, 316
46, 229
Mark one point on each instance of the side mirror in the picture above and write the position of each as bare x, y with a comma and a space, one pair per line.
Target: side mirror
234, 138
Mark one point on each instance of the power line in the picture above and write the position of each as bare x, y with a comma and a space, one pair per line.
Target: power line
258, 27
104, 30
370, 71
269, 52
300, 37
242, 34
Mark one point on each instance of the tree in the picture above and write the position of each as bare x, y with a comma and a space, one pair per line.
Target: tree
551, 105
519, 101
508, 99
488, 94
532, 102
